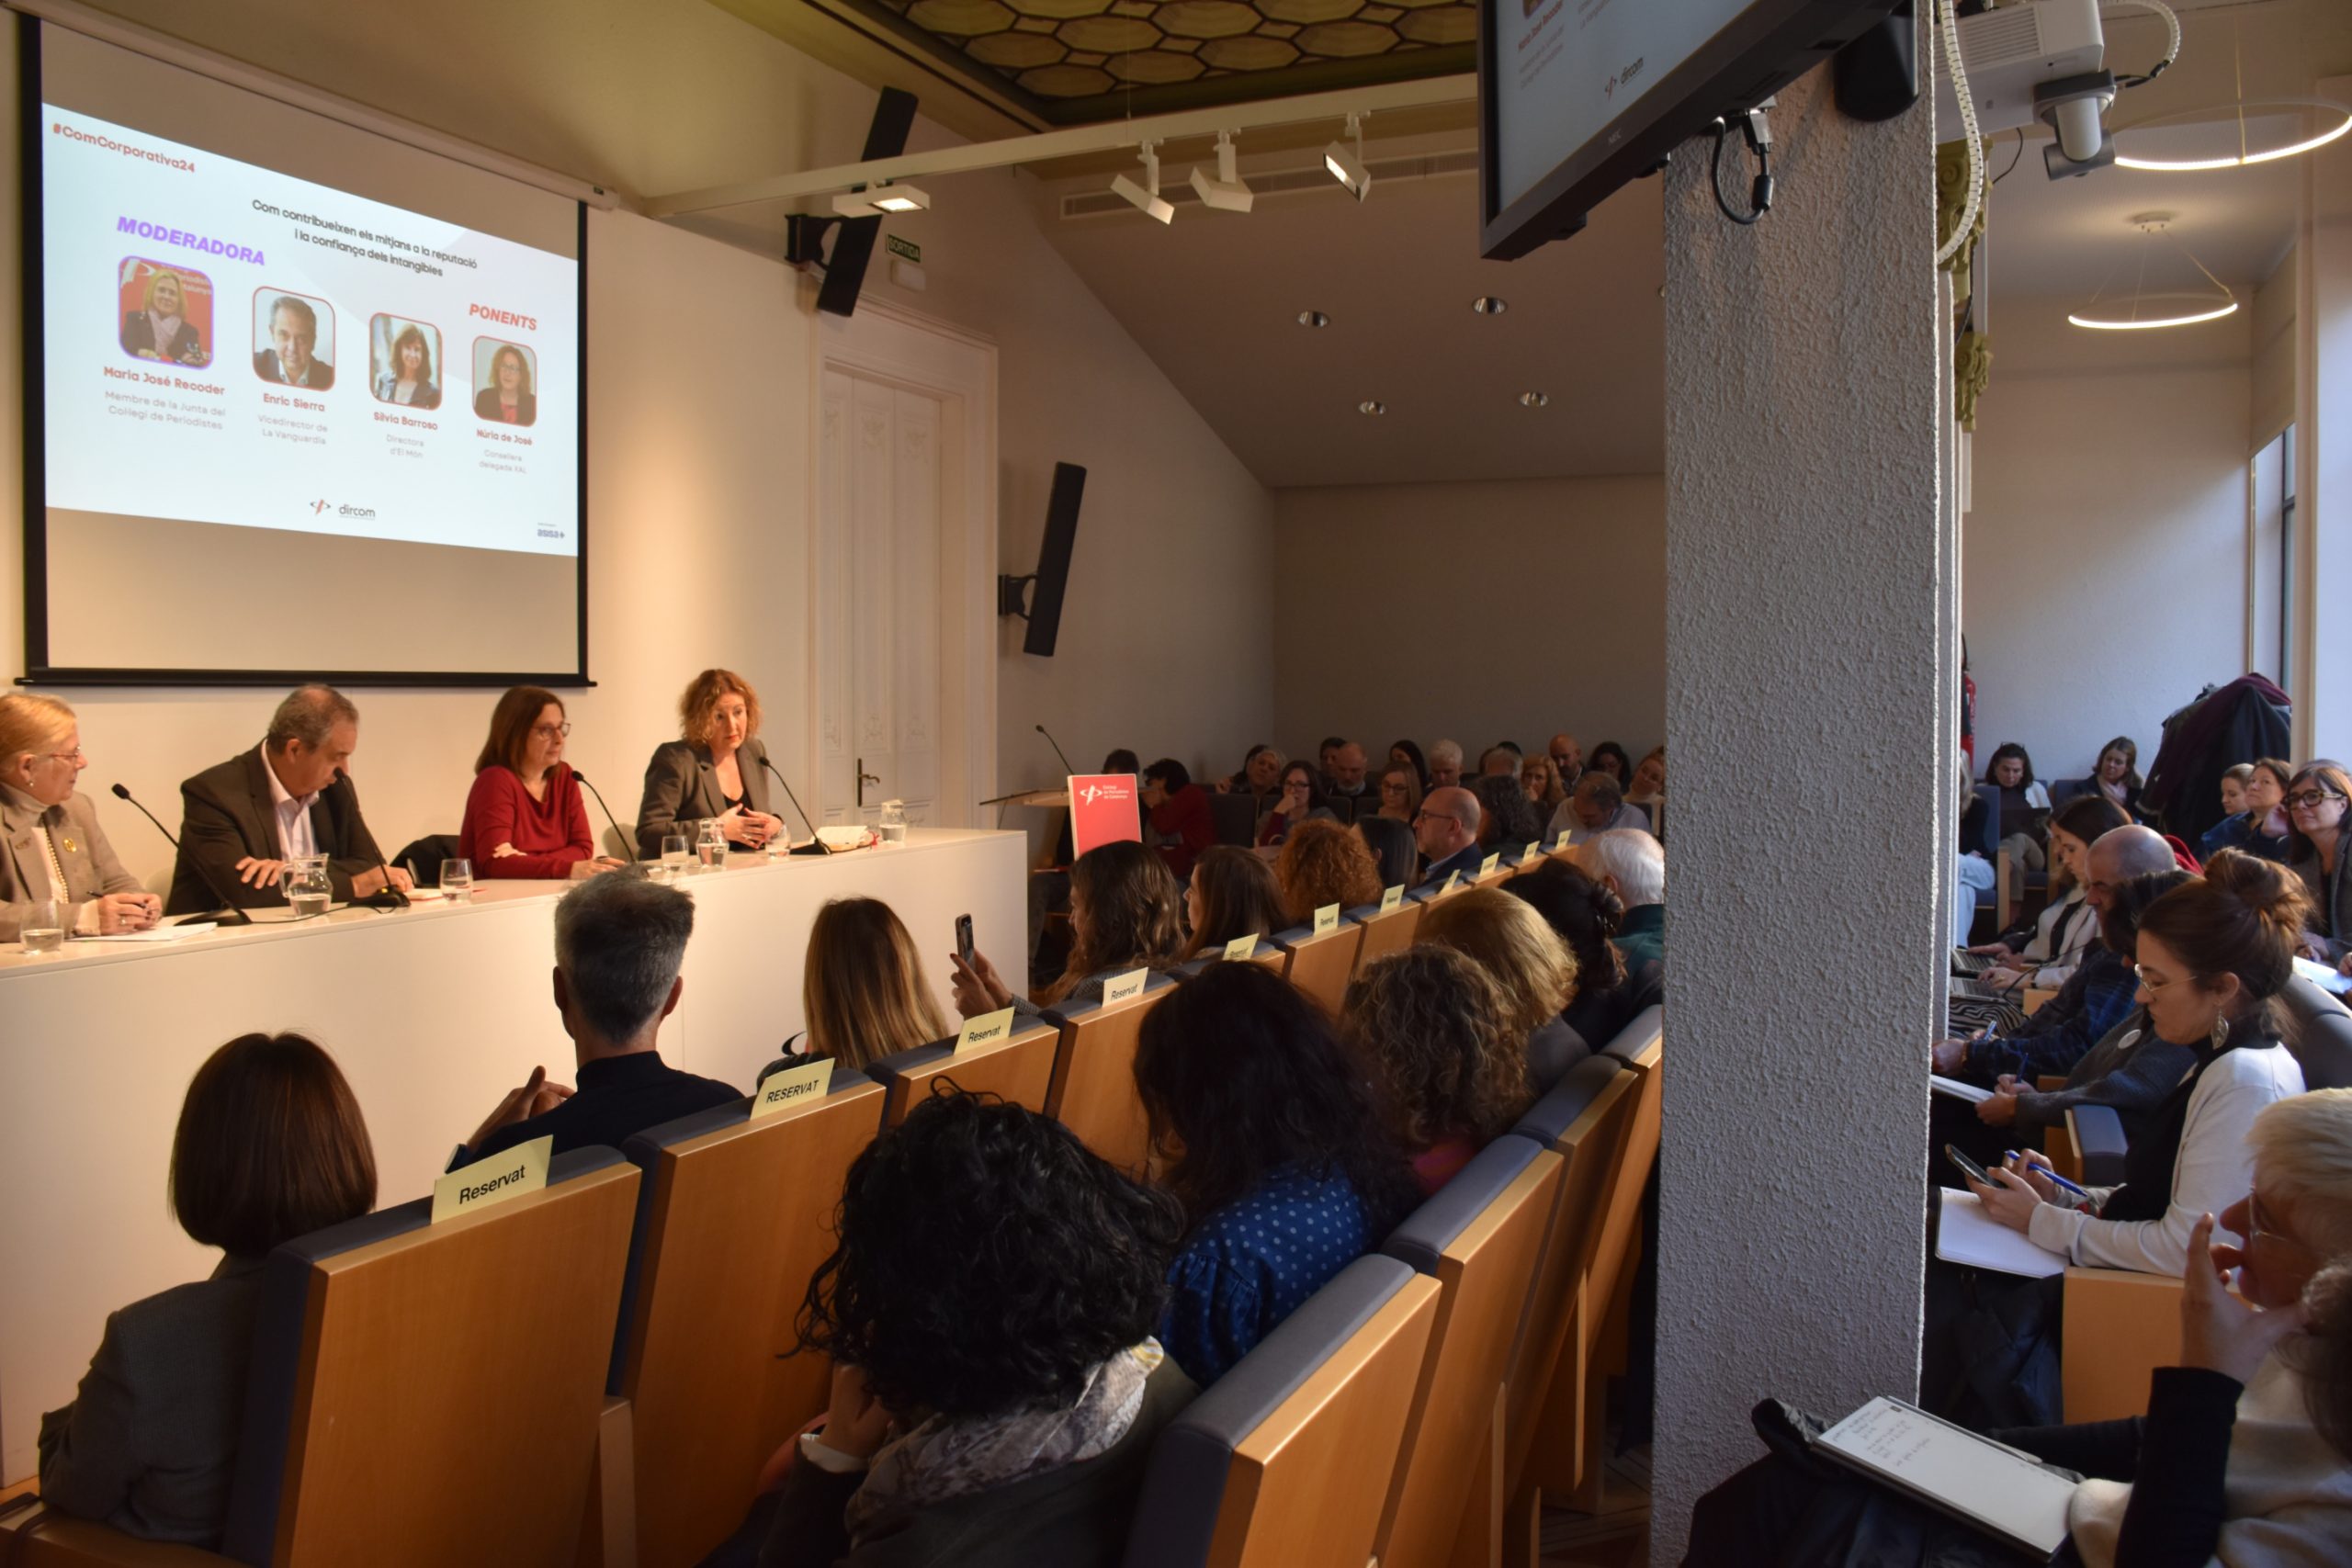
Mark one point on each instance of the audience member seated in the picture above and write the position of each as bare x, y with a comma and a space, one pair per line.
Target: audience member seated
243, 819
1541, 780
1631, 865
863, 990
1272, 1139
1445, 766
989, 1308
62, 857
2315, 805
1567, 759
1261, 772
2045, 954
1392, 850
1507, 820
525, 817
2244, 1456
1232, 894
270, 1146
1409, 753
1648, 789
1347, 771
1179, 814
714, 770
1598, 806
1297, 803
1447, 832
1525, 957
1324, 753
1610, 758
1433, 1031
2257, 823
1400, 792
1324, 863
1587, 915
1500, 761
619, 942
2118, 774
2019, 800
1126, 912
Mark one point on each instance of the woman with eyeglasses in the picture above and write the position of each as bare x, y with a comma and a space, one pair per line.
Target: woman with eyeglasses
2315, 807
523, 817
1400, 793
51, 852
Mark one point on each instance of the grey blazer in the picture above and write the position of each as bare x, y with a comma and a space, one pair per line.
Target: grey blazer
681, 788
87, 859
149, 1442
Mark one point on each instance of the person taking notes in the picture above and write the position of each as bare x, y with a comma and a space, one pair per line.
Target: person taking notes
50, 848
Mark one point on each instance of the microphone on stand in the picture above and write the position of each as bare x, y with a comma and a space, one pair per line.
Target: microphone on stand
582, 780
815, 846
387, 896
1057, 748
227, 910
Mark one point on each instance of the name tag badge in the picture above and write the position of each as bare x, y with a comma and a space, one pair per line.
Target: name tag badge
1327, 920
1486, 866
511, 1174
1127, 987
1452, 880
791, 1086
1241, 947
1560, 844
1392, 899
989, 1029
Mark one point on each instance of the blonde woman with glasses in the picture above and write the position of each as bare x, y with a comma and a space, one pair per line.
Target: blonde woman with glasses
53, 854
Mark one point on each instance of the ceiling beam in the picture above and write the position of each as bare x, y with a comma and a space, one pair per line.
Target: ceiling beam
835, 33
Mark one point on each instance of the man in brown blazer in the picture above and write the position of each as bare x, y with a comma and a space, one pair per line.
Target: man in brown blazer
51, 847
244, 818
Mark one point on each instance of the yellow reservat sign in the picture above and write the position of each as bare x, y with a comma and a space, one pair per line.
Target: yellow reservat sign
988, 1029
791, 1086
512, 1173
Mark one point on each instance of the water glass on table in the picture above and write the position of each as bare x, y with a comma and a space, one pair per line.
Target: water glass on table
44, 928
457, 880
677, 853
710, 847
309, 889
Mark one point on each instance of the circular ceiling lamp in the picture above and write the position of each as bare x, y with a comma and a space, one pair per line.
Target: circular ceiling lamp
2321, 121
2147, 309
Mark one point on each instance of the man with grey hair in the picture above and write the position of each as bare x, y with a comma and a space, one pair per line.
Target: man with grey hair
1631, 865
1447, 832
1446, 764
292, 357
289, 798
619, 941
1596, 806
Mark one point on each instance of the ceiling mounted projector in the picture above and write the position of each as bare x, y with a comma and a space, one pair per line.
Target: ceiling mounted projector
2043, 61
1226, 192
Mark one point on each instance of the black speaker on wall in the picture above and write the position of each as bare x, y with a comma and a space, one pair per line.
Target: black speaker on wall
894, 117
1044, 609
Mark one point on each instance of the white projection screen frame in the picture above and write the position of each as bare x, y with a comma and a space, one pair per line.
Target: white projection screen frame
192, 519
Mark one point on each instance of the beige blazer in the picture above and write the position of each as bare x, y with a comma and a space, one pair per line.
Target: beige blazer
82, 850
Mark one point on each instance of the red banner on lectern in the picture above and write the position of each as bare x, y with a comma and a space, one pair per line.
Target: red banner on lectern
1103, 810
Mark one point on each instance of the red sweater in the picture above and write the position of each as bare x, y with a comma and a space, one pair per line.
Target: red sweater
551, 834
1185, 816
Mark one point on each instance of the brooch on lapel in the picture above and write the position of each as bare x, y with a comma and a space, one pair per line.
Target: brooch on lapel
72, 848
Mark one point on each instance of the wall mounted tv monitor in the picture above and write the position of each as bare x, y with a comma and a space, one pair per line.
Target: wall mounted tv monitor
1577, 97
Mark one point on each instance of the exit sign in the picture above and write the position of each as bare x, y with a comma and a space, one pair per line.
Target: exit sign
906, 248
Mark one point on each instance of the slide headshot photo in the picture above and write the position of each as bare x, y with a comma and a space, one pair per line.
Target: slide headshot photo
404, 361
293, 339
166, 312
508, 377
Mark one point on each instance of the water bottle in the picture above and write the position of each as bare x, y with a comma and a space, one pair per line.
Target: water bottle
894, 822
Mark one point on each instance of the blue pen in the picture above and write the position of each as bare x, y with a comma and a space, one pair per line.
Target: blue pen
2051, 1175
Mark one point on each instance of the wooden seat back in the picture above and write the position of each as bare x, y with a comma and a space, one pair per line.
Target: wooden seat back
1320, 967
2117, 1328
1385, 934
735, 1216
1092, 1091
1018, 1069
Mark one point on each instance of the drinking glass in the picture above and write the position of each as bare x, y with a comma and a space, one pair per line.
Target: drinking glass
457, 880
677, 853
309, 889
710, 847
44, 928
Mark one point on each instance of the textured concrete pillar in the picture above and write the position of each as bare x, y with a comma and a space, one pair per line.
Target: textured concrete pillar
1808, 604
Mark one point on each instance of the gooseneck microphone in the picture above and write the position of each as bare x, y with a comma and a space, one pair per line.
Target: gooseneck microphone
815, 846
582, 780
1057, 748
227, 910
388, 896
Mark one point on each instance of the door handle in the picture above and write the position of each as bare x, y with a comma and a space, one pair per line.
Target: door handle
864, 778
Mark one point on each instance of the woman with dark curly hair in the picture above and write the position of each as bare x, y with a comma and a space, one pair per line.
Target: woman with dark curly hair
989, 1308
1611, 758
1523, 955
1272, 1139
1322, 863
1126, 912
1586, 915
1233, 893
1435, 1032
1508, 820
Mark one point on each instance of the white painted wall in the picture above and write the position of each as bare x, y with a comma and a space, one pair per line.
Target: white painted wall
1511, 609
2105, 560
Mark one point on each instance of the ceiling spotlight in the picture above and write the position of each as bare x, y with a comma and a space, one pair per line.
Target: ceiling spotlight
1370, 406
1488, 305
1347, 167
881, 198
1313, 319
1145, 199
1533, 399
1226, 193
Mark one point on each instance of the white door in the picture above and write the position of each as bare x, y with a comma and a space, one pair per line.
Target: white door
878, 599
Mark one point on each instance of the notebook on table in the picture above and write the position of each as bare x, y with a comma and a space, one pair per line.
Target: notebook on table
2003, 1492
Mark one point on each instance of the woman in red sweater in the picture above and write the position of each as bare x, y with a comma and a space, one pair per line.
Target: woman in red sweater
523, 816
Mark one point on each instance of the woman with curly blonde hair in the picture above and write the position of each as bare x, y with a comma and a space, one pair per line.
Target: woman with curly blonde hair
1322, 863
1507, 938
1434, 1032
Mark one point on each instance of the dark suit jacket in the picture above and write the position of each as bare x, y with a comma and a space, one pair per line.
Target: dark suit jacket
226, 814
186, 346
150, 1441
681, 788
1465, 860
526, 407
321, 373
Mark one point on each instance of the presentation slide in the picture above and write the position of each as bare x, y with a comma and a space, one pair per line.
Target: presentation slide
1565, 68
279, 352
